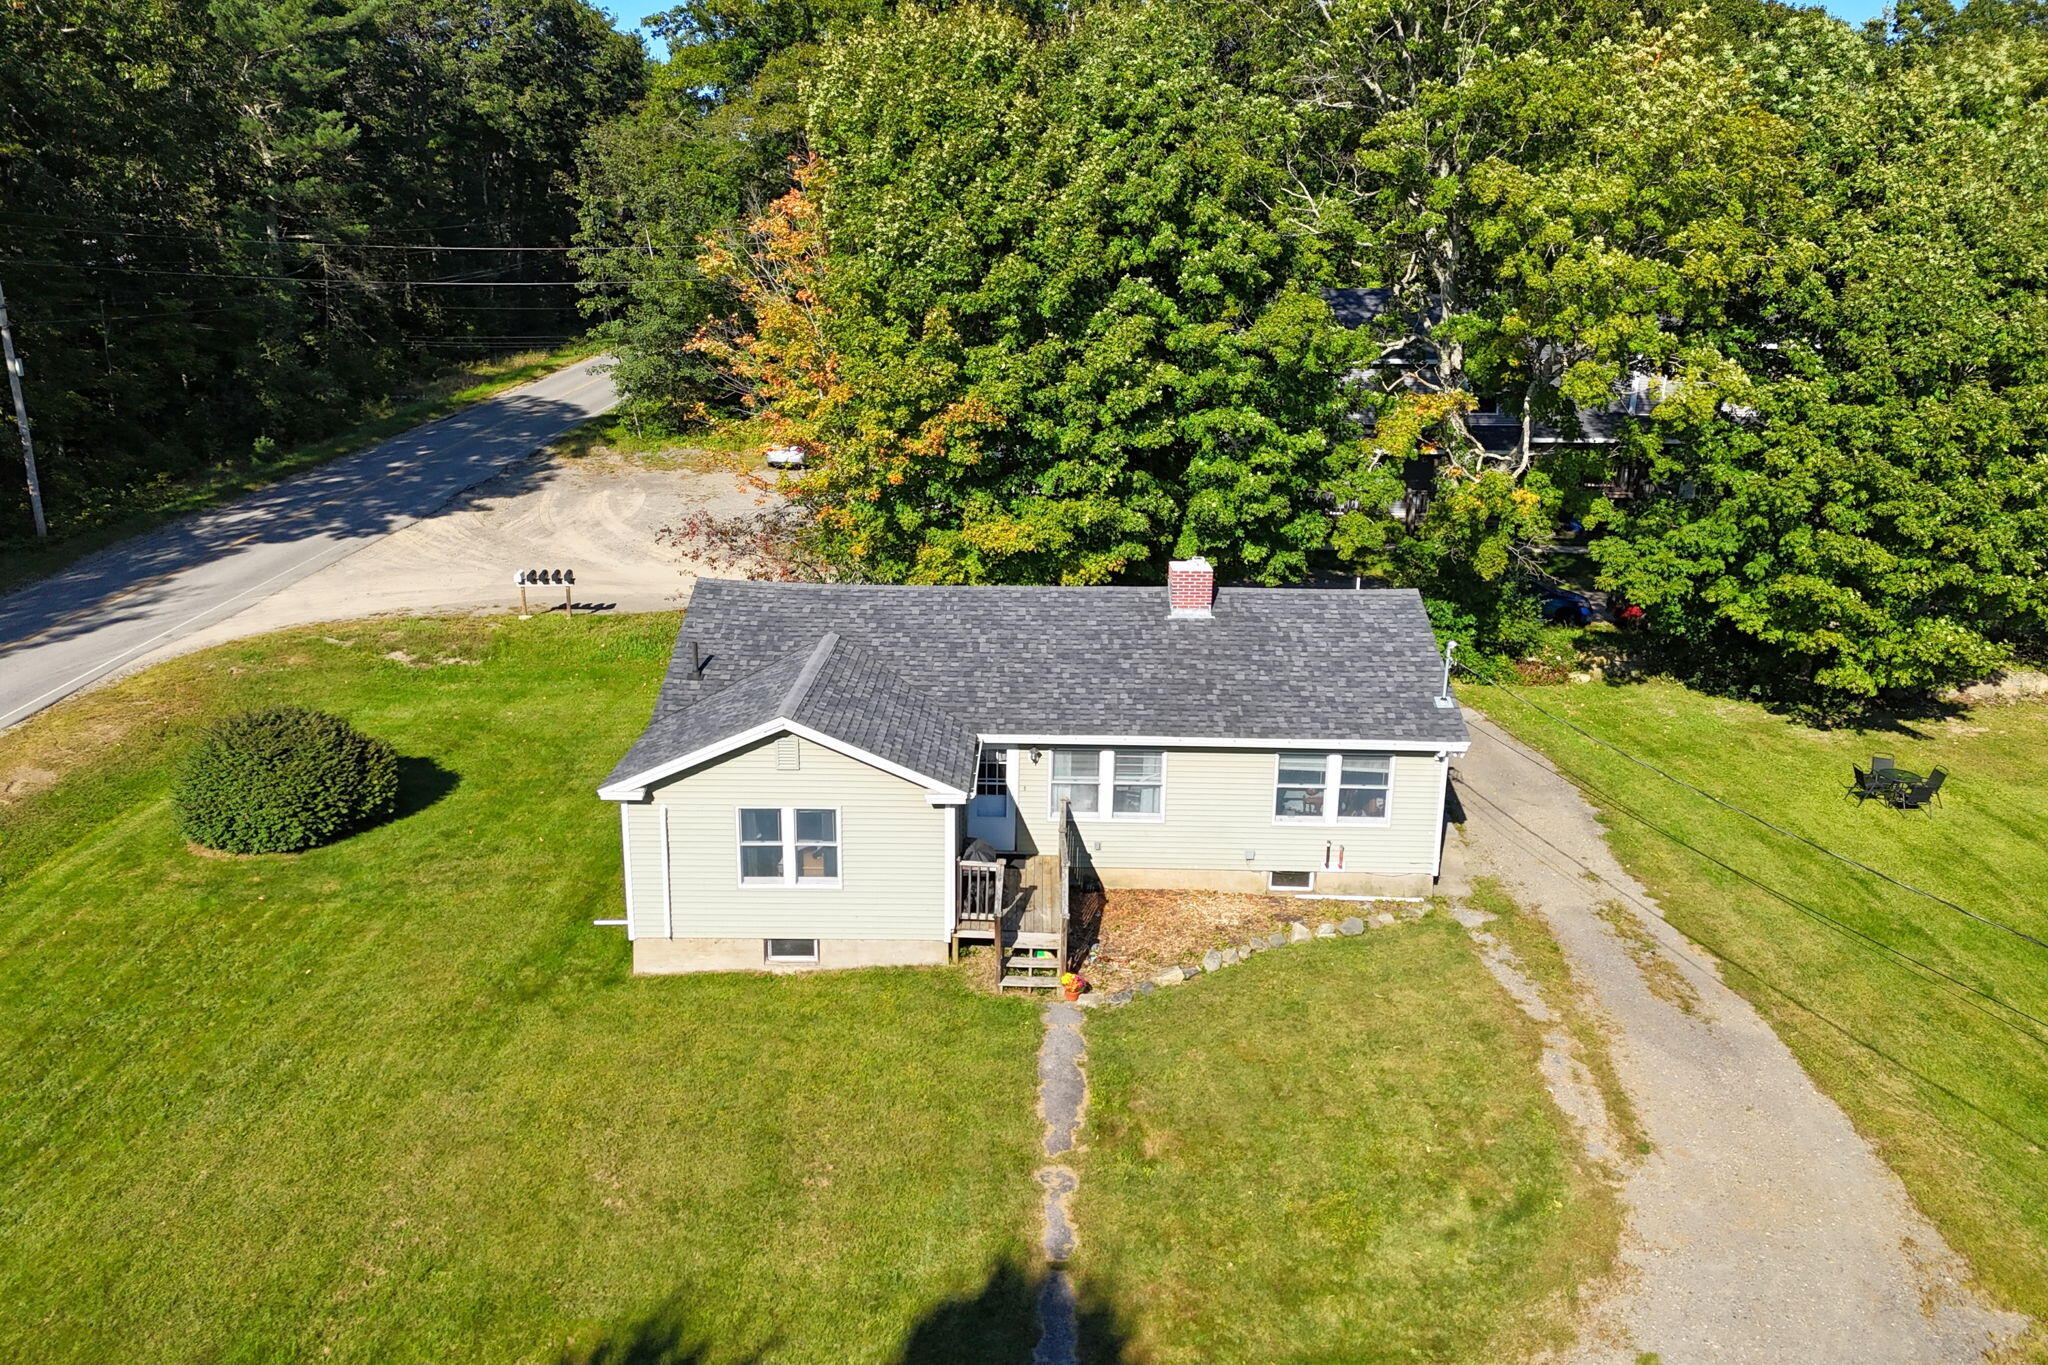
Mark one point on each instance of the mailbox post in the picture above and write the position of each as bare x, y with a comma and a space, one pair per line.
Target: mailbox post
525, 578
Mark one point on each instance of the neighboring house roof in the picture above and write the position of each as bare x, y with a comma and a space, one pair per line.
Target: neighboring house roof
1495, 432
1356, 307
835, 689
914, 674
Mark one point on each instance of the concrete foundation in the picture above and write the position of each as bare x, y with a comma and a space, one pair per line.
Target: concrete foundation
1254, 882
670, 956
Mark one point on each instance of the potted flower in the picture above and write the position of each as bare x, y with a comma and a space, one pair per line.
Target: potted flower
1073, 984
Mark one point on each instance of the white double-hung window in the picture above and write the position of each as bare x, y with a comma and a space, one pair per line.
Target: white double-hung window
789, 846
1331, 789
1110, 784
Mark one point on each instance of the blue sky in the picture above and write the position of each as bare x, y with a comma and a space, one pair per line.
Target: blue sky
626, 17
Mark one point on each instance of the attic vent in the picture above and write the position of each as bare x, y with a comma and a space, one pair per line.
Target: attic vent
786, 754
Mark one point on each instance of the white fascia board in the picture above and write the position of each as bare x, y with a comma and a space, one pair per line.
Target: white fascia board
635, 787
1399, 746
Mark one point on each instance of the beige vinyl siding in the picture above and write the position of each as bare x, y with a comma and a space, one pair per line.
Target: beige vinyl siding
1219, 807
643, 870
893, 859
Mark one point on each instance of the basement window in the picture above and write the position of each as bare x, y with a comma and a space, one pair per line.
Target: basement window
792, 950
1290, 881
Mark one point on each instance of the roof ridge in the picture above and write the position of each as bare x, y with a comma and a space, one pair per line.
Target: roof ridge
820, 652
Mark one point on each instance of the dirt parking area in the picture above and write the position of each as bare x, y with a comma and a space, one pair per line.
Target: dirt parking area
597, 513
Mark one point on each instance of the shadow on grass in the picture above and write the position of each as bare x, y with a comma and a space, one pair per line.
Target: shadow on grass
663, 1337
421, 783
993, 1326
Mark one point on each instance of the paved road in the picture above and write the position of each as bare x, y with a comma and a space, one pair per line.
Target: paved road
145, 595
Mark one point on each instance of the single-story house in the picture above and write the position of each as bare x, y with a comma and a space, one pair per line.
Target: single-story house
821, 754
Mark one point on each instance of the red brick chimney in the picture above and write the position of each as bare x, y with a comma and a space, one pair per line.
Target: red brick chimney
1190, 587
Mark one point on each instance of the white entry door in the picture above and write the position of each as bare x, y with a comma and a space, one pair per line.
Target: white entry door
992, 814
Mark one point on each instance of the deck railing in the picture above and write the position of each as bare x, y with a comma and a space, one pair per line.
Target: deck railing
981, 892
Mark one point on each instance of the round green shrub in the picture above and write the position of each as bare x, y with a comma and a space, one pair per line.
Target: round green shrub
284, 779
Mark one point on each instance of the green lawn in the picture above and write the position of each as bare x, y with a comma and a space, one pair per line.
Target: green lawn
1333, 1152
398, 1100
1955, 1098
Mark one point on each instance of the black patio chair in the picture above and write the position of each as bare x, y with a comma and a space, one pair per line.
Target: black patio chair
1880, 764
1863, 788
1921, 795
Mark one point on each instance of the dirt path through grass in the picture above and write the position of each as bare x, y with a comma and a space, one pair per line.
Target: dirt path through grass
1762, 1226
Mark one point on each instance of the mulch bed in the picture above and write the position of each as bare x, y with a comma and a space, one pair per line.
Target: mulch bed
1131, 936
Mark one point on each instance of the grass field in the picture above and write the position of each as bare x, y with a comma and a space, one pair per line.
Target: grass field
398, 1100
1951, 1085
1336, 1152
149, 506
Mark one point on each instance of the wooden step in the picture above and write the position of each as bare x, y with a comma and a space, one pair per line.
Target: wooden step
1029, 940
1036, 982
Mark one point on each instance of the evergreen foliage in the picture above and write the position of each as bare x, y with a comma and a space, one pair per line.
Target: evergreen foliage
213, 216
282, 780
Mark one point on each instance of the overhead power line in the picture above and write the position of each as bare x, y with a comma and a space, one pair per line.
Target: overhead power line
1898, 957
62, 223
266, 242
1792, 834
330, 282
1682, 946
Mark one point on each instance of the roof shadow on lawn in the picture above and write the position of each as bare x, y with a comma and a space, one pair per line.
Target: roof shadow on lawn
997, 1325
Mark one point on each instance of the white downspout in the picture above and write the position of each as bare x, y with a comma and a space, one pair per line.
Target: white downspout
626, 854
949, 865
1443, 787
668, 903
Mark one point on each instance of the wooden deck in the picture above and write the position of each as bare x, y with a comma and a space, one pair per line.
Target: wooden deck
1020, 904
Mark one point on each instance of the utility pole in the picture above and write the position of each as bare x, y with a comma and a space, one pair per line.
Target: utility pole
28, 446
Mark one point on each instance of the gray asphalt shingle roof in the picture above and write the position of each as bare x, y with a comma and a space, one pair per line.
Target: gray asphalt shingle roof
831, 686
912, 674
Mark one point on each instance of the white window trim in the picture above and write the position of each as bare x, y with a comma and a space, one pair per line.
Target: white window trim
1105, 786
1287, 872
768, 952
789, 880
1333, 778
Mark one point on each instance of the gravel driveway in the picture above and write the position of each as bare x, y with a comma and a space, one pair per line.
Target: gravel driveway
599, 516
1762, 1227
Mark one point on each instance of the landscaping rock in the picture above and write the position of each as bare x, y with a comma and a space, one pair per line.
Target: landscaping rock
1146, 987
1212, 961
1276, 940
1298, 933
1383, 920
1231, 957
1170, 977
1123, 996
1352, 926
1257, 945
1326, 930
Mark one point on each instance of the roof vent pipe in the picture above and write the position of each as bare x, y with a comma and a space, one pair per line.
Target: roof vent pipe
1444, 700
1190, 588
696, 664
